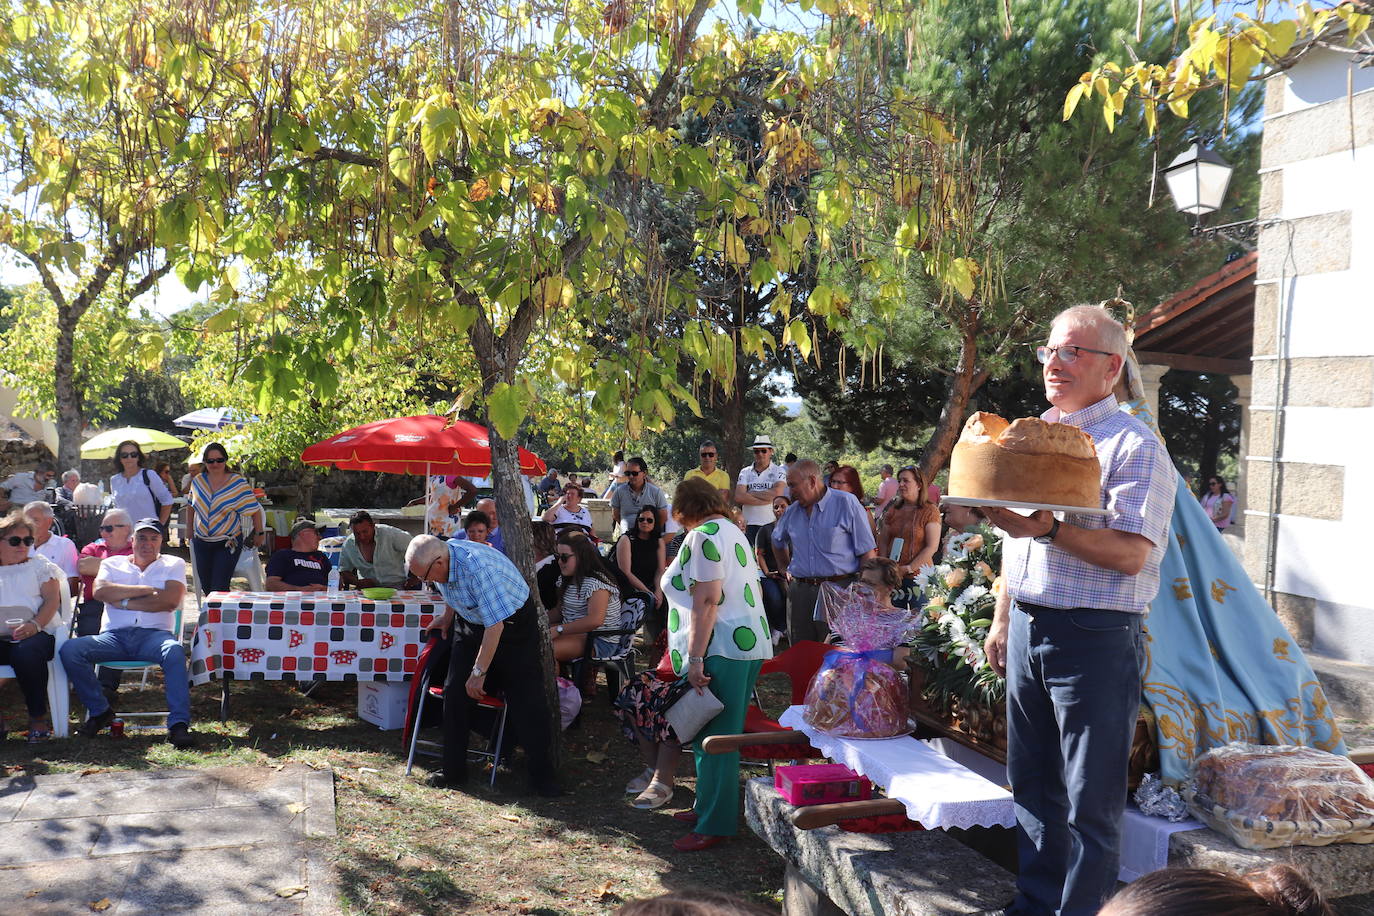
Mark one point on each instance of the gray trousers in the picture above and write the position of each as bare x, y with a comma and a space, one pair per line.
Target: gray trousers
801, 613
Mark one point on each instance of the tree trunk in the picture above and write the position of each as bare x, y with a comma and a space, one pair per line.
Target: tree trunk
731, 456
497, 357
70, 412
305, 493
966, 380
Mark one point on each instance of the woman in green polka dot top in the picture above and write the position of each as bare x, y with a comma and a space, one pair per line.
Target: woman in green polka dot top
717, 639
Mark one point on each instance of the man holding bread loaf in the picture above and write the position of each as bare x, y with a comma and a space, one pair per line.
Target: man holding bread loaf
1067, 629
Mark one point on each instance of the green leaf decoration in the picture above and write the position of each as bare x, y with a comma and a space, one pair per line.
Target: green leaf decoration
674, 620
742, 555
749, 596
710, 551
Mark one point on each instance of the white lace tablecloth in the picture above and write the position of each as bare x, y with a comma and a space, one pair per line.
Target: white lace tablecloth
937, 791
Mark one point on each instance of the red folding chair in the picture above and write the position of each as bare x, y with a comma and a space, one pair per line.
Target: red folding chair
421, 692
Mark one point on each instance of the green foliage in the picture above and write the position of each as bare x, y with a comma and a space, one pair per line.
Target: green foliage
108, 346
1057, 213
1201, 423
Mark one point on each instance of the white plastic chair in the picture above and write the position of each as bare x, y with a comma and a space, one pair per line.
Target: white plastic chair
59, 695
249, 565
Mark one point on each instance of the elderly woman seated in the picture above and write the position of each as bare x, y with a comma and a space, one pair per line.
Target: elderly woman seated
588, 598
30, 597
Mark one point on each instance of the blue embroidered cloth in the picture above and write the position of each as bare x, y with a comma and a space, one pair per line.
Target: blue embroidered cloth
1220, 665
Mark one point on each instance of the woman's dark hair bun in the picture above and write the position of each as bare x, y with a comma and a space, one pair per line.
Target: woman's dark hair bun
1289, 891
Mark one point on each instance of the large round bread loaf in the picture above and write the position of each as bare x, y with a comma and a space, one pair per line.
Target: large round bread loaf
1028, 461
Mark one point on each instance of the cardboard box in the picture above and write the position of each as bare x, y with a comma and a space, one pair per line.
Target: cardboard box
820, 784
383, 703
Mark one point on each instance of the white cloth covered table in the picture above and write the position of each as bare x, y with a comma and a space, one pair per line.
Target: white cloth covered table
937, 791
940, 791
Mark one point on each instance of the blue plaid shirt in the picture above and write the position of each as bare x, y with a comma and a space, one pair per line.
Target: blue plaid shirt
1138, 484
483, 586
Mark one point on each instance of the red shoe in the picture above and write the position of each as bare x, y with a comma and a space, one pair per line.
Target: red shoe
695, 842
687, 817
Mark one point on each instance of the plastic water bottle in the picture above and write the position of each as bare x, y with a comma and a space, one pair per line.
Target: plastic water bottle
333, 579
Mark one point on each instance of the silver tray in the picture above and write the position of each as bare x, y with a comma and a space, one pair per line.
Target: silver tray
975, 502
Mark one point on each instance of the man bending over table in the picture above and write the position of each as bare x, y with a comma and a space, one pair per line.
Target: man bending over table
494, 628
1066, 631
141, 594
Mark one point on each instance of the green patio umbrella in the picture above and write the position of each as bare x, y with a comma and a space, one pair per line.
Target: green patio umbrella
150, 440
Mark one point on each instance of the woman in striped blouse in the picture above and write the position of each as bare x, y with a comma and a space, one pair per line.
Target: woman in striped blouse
219, 499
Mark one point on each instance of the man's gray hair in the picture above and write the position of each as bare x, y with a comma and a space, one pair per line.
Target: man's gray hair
70, 472
38, 507
424, 549
1110, 332
118, 517
887, 468
807, 467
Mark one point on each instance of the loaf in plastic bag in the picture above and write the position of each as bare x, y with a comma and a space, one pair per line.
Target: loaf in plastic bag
857, 693
1264, 797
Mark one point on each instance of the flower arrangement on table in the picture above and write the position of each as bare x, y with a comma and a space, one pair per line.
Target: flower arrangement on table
961, 592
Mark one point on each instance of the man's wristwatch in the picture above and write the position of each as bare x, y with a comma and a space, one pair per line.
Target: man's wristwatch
559, 629
124, 603
696, 658
1049, 536
478, 671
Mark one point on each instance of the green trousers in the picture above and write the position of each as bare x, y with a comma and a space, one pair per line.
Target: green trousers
717, 807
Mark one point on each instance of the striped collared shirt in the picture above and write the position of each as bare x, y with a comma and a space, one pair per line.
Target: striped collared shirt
1138, 484
483, 586
218, 511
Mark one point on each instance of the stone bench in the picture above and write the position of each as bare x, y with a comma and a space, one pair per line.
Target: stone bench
830, 871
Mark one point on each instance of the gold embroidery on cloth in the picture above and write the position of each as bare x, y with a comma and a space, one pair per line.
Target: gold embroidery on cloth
1219, 589
1190, 729
1181, 589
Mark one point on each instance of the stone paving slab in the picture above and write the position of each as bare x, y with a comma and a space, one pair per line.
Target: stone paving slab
222, 841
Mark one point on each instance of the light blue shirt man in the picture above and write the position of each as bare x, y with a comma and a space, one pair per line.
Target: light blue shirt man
827, 540
483, 586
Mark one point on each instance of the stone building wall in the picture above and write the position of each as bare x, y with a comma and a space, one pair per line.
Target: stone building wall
1309, 492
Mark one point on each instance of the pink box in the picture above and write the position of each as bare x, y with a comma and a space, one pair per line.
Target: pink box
820, 784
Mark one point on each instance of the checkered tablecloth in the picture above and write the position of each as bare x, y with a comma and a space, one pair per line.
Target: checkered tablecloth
310, 636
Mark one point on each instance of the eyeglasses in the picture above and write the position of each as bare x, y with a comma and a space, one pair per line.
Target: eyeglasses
425, 574
759, 451
215, 460
563, 557
1067, 354
646, 520
130, 455
108, 528
633, 473
15, 540
708, 454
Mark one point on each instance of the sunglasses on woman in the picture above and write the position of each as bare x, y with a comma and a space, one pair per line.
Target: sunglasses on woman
15, 540
130, 455
216, 460
563, 557
108, 528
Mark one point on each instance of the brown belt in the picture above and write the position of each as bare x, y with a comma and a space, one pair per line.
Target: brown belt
817, 580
